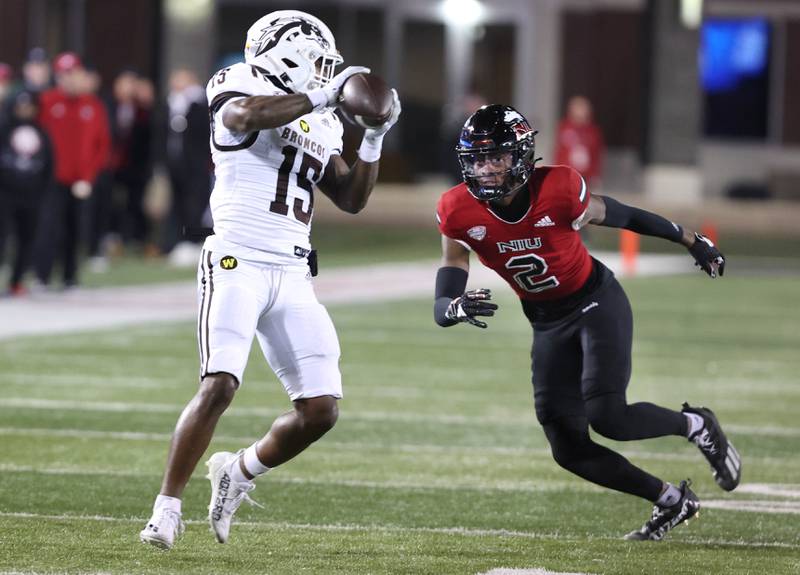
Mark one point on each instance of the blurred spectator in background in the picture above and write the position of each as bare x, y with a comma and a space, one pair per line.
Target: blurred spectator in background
36, 76
118, 210
131, 113
35, 80
98, 212
77, 123
579, 142
6, 77
26, 172
454, 118
188, 163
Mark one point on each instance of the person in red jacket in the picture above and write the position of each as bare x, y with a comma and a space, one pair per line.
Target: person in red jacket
77, 123
579, 142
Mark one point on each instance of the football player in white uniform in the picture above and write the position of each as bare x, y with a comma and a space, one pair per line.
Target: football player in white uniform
274, 137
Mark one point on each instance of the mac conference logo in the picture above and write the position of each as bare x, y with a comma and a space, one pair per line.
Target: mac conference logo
304, 126
228, 262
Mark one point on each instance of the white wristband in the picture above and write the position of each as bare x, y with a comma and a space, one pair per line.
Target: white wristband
370, 149
318, 98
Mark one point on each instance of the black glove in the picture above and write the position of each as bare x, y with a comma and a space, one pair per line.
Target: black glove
472, 303
707, 256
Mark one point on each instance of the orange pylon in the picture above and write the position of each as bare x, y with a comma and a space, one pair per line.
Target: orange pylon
709, 230
629, 249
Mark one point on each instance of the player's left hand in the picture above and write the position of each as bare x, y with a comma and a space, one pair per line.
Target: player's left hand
707, 256
381, 130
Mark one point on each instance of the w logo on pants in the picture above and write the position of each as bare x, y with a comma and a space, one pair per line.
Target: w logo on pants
228, 262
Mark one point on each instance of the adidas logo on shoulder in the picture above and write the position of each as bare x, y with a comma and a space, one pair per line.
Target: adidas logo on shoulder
544, 222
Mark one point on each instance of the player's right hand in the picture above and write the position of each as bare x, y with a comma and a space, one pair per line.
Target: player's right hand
472, 303
332, 89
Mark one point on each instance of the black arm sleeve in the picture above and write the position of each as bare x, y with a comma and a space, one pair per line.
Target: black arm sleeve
619, 215
450, 283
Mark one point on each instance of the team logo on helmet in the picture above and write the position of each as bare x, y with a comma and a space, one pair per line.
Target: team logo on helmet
287, 28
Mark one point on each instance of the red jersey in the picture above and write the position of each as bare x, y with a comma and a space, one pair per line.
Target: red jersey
78, 128
541, 255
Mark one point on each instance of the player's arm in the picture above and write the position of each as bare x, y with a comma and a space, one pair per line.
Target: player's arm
255, 113
605, 211
452, 304
349, 187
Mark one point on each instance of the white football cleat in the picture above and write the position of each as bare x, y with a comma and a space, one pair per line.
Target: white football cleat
226, 494
164, 527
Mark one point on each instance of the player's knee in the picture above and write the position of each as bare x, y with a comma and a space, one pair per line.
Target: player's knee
319, 414
216, 391
567, 441
606, 414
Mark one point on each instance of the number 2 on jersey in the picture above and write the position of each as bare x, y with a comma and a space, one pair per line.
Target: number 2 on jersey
531, 266
309, 172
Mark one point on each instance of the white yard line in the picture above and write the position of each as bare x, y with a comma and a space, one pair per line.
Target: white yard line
753, 506
383, 528
400, 417
349, 446
788, 490
86, 309
785, 495
689, 455
438, 485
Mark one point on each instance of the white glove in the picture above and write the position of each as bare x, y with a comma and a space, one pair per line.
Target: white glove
380, 131
81, 189
371, 144
329, 93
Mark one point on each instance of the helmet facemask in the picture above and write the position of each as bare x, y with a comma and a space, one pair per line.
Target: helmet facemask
495, 172
324, 70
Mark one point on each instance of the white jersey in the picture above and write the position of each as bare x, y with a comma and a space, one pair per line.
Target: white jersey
263, 196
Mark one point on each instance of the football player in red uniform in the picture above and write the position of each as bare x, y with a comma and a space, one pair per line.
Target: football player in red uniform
524, 224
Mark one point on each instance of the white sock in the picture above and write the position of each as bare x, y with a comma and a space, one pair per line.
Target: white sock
165, 501
669, 497
251, 463
695, 423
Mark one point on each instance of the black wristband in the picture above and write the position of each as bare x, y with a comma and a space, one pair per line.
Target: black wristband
450, 283
619, 215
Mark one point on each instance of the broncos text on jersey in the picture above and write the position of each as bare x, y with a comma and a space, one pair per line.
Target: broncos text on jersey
263, 197
541, 255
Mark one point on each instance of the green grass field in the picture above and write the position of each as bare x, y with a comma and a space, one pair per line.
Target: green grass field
437, 464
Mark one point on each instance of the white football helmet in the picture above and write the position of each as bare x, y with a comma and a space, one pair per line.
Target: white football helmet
297, 47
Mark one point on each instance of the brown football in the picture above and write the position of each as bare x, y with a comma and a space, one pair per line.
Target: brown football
365, 100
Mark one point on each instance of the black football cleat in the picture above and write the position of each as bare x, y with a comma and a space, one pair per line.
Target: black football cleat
726, 465
664, 519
